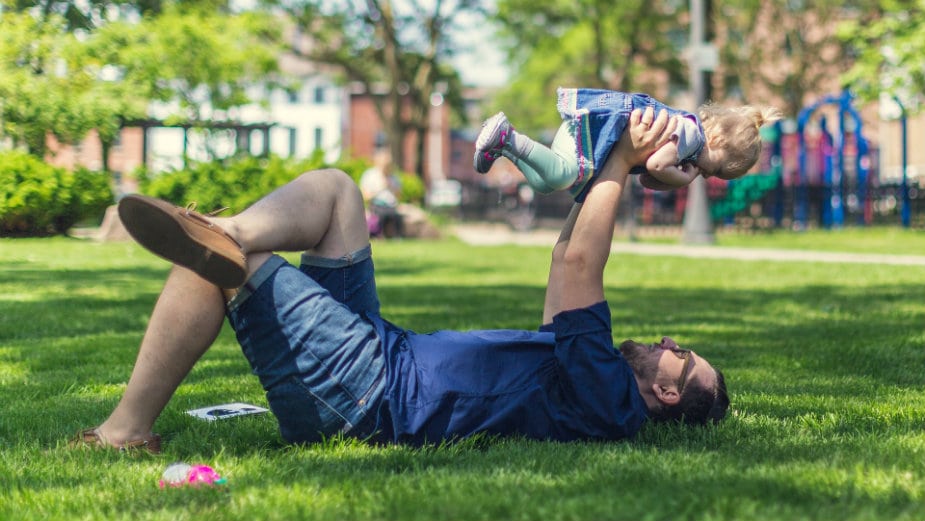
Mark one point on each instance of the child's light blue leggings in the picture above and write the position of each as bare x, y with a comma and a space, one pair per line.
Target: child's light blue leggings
547, 169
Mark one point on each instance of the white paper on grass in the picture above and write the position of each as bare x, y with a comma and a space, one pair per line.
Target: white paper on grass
227, 410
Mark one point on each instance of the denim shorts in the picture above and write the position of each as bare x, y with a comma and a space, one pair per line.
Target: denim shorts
304, 333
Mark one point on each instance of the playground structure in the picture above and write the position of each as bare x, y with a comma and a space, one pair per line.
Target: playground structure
819, 169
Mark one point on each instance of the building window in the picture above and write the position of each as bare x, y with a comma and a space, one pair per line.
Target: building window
319, 134
319, 95
293, 95
292, 142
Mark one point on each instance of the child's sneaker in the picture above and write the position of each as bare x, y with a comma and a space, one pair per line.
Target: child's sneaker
496, 132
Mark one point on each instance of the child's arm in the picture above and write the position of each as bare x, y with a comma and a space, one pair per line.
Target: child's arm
669, 178
663, 166
663, 158
652, 183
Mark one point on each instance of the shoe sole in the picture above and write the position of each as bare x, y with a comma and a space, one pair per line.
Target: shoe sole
157, 226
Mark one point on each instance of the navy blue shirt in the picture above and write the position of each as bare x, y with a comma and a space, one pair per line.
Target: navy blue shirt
564, 382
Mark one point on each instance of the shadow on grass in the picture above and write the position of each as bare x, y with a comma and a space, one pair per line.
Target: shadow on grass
74, 302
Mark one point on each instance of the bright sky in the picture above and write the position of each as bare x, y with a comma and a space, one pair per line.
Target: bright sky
483, 62
481, 65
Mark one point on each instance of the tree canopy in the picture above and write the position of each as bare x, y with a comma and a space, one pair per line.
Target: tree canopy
67, 67
888, 45
67, 83
398, 50
769, 52
586, 43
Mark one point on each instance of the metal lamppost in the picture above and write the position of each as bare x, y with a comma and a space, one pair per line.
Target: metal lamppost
698, 225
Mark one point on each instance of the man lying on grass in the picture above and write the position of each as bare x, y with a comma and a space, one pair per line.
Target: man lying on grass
330, 364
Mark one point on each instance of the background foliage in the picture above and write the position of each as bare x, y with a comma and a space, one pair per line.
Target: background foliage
39, 199
888, 43
70, 66
240, 182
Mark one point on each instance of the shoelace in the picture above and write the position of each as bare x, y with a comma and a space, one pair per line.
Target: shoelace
191, 207
201, 217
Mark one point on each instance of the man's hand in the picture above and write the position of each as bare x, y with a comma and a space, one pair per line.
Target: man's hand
644, 134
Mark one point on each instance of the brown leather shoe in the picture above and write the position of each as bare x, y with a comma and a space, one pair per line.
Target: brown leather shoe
186, 238
91, 438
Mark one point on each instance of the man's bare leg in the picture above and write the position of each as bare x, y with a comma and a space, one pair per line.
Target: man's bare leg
320, 211
186, 319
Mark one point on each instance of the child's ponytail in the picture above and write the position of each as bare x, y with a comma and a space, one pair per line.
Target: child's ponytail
761, 115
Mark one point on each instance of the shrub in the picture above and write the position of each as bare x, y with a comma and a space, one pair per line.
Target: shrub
38, 199
236, 183
91, 194
412, 188
239, 182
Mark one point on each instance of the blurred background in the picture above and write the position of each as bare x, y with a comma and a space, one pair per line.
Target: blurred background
215, 100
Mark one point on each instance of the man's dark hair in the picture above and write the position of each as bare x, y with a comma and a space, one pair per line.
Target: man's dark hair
698, 405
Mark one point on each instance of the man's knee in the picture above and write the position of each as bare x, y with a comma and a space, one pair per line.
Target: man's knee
332, 179
336, 186
337, 192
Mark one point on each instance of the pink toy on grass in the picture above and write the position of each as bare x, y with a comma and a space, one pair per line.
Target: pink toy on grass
183, 474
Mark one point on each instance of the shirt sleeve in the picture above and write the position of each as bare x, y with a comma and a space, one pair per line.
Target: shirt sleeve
688, 137
597, 382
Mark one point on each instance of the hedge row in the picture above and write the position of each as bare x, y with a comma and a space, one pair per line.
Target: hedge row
239, 183
37, 199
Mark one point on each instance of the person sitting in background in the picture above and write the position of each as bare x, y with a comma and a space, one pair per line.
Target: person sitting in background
381, 189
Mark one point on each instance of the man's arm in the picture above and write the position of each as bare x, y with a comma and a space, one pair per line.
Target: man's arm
554, 285
576, 276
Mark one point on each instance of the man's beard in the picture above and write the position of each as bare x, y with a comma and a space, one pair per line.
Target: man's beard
639, 356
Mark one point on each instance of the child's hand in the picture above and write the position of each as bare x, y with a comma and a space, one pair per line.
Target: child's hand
691, 170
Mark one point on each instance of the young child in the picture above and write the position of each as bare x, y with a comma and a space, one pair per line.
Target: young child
720, 142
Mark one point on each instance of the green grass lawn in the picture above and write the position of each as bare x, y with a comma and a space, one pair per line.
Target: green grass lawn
888, 240
892, 240
825, 365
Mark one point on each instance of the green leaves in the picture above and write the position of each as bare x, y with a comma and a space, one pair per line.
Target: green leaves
54, 82
889, 48
588, 43
38, 199
202, 60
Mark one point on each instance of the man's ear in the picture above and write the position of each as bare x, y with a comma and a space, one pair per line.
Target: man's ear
666, 395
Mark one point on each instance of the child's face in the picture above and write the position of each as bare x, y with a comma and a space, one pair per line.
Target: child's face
712, 163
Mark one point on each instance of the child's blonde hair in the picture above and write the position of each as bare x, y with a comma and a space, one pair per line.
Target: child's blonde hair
735, 129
